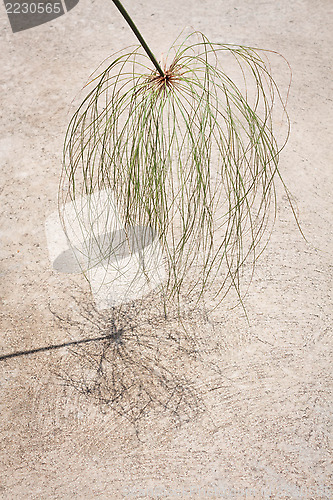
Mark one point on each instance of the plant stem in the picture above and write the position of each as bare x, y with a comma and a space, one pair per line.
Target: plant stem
138, 35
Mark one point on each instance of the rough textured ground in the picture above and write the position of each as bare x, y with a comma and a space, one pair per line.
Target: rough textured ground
234, 409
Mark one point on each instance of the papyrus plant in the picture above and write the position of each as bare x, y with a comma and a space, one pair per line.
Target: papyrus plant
187, 151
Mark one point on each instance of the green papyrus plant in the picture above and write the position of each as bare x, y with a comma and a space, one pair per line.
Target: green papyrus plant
187, 153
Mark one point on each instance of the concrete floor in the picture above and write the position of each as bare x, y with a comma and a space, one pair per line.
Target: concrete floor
244, 410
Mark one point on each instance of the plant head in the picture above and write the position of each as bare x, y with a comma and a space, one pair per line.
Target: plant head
188, 152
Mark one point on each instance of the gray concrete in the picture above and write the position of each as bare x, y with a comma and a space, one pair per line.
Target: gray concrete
244, 411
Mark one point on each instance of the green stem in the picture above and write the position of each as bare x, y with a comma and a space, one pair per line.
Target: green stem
138, 35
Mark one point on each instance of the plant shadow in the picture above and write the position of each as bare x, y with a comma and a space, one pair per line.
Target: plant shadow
145, 366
